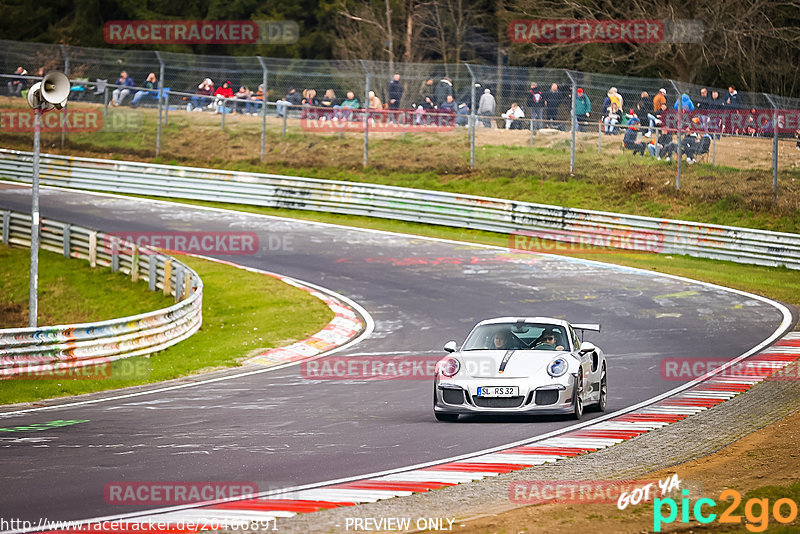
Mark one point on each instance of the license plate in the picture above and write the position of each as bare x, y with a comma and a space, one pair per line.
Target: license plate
498, 391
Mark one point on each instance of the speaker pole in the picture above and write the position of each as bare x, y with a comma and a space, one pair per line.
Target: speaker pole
33, 297
51, 93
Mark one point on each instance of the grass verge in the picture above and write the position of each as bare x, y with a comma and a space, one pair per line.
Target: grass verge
243, 313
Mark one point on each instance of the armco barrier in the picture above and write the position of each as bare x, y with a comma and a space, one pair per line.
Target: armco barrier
742, 245
35, 352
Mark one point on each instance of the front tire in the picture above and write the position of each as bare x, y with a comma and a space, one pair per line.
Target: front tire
577, 397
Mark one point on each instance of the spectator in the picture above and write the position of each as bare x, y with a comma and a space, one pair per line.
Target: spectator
512, 117
660, 98
426, 89
223, 92
657, 148
686, 104
257, 98
292, 98
424, 109
551, 103
329, 99
626, 119
395, 92
119, 94
373, 102
310, 98
462, 114
536, 106
750, 124
797, 136
733, 101
656, 118
631, 133
668, 147
611, 119
690, 144
243, 104
204, 93
17, 84
449, 105
644, 105
350, 103
151, 84
703, 106
486, 107
395, 96
614, 96
582, 109
443, 89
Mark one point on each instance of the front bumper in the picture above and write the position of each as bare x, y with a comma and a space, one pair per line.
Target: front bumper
459, 397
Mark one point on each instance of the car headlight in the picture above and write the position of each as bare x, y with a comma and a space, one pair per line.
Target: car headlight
449, 366
557, 367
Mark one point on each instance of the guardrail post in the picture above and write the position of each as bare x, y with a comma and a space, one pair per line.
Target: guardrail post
92, 249
285, 112
66, 240
135, 264
224, 107
264, 109
6, 223
167, 276
178, 283
114, 255
152, 267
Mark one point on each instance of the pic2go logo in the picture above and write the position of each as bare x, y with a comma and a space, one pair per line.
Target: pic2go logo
756, 511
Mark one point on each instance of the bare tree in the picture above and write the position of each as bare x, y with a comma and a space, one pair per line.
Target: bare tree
742, 37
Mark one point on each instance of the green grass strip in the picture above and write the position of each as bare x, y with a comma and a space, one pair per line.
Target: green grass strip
244, 313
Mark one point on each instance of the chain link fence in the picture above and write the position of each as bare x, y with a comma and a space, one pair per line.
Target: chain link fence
490, 104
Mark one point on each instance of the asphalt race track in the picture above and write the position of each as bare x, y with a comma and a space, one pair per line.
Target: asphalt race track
278, 430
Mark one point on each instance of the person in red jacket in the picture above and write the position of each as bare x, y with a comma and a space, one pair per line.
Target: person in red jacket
223, 91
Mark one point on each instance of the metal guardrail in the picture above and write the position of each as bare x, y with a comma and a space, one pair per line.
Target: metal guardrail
531, 223
41, 350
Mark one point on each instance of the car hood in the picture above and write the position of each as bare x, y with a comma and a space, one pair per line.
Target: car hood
518, 363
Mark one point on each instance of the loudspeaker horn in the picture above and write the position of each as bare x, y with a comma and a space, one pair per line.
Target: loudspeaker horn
55, 88
51, 92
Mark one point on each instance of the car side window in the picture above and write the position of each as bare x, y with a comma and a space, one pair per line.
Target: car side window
575, 342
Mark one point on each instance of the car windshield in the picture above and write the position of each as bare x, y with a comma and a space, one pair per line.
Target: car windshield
516, 336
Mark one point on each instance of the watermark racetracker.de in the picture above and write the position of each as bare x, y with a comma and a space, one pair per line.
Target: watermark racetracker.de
161, 32
588, 241
71, 120
574, 31
195, 242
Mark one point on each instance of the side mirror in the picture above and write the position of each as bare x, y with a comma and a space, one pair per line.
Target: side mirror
450, 346
586, 347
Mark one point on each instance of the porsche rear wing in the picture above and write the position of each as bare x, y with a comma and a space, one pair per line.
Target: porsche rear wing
594, 327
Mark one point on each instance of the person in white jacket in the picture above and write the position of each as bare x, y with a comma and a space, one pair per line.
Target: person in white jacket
486, 107
512, 115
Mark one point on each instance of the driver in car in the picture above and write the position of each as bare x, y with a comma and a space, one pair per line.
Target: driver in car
501, 341
548, 342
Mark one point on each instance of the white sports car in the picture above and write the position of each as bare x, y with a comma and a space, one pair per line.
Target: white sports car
533, 365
